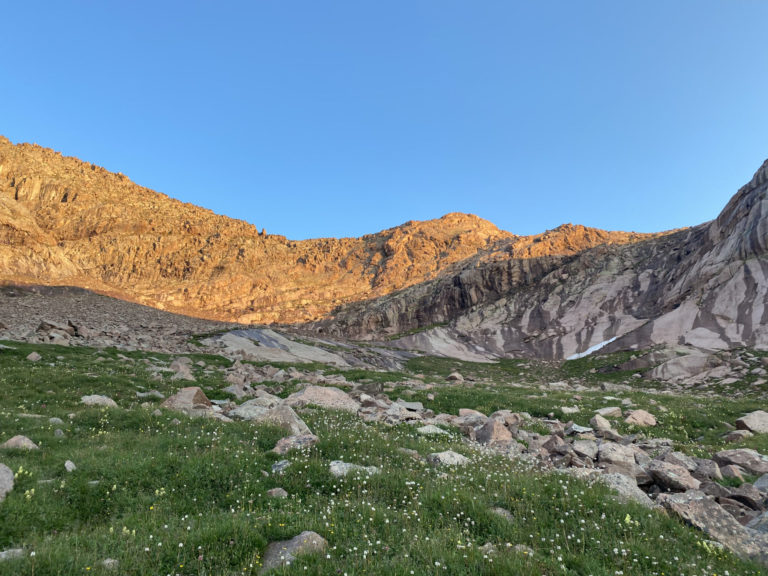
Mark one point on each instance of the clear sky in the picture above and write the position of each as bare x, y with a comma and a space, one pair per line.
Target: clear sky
339, 118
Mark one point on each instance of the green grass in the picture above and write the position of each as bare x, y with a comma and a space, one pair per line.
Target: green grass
190, 498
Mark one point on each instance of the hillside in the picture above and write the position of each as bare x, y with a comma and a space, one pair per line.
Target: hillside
68, 222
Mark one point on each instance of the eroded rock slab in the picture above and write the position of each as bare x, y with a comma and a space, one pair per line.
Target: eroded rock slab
701, 511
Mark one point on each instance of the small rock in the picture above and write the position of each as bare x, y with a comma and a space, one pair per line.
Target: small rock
431, 430
69, 466
732, 471
609, 412
599, 422
296, 442
493, 433
326, 397
447, 458
58, 433
12, 553
455, 377
411, 406
570, 409
277, 493
762, 483
283, 553
280, 466
737, 435
98, 400
110, 564
55, 421
19, 443
339, 468
641, 418
585, 448
504, 513
34, 357
6, 481
576, 429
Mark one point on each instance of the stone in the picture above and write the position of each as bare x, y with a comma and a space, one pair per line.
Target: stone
573, 428
280, 466
737, 436
759, 523
34, 357
447, 458
493, 433
732, 471
640, 418
750, 460
699, 510
750, 496
284, 417
585, 448
680, 459
191, 400
110, 564
248, 411
239, 391
55, 421
762, 482
19, 443
12, 553
570, 409
277, 493
297, 442
6, 481
455, 377
339, 468
69, 466
507, 417
98, 400
284, 553
672, 476
58, 433
609, 412
151, 394
626, 489
706, 470
616, 454
411, 406
431, 430
756, 422
599, 422
325, 397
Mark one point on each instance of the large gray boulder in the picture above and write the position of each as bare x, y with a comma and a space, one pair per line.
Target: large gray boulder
626, 489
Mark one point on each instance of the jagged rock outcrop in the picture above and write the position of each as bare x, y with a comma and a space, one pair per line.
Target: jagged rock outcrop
705, 288
67, 222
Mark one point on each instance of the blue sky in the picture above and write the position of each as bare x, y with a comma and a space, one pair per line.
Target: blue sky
340, 118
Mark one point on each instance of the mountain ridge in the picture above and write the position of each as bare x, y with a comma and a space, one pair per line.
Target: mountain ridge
64, 221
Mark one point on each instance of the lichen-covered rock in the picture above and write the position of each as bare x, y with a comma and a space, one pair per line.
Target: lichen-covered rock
447, 458
756, 422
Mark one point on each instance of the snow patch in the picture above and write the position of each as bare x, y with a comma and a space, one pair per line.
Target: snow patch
591, 349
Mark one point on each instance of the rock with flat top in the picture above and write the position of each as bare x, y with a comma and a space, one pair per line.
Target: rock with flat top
325, 397
756, 422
